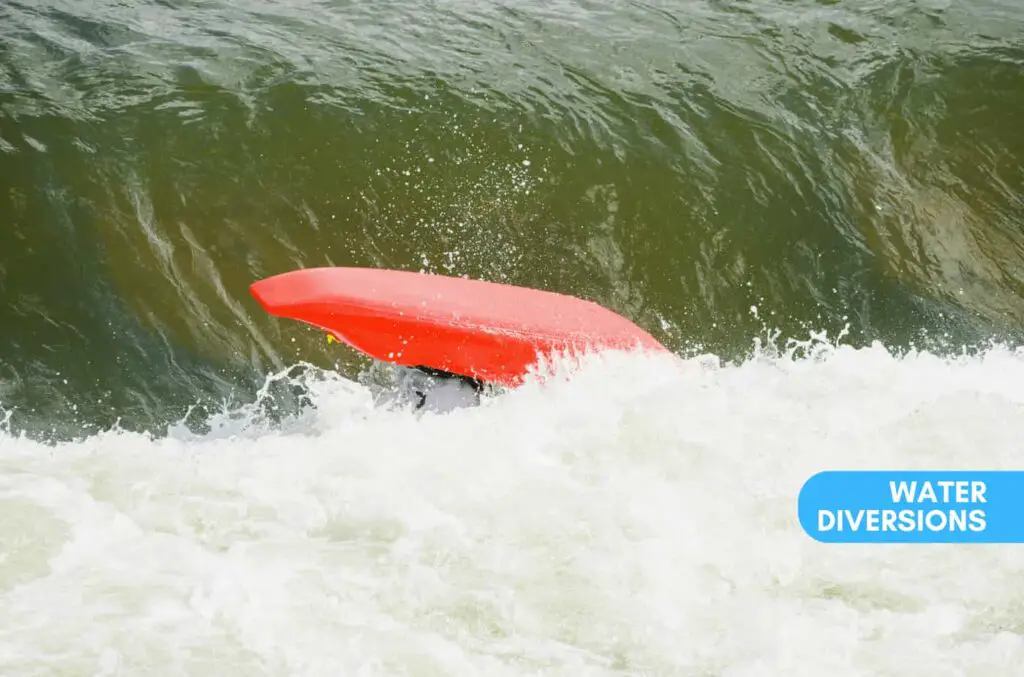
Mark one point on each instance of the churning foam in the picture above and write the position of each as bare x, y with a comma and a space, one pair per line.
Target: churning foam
639, 518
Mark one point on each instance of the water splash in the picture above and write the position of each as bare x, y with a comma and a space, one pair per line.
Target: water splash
574, 525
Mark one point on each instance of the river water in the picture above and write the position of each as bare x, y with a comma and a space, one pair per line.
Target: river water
818, 206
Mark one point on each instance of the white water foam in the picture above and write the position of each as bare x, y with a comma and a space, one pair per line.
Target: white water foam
637, 519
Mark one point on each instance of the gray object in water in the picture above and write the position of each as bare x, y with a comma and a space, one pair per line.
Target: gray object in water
432, 390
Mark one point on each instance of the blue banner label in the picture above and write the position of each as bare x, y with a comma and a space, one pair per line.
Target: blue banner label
909, 506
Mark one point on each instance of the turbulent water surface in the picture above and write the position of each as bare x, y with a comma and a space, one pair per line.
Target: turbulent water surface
817, 206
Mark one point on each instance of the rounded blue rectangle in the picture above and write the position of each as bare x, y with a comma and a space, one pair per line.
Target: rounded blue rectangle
913, 506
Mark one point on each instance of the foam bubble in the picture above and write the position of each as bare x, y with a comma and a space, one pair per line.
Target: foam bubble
638, 518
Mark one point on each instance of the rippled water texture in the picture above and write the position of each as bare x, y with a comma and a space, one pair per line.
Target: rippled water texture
679, 162
191, 487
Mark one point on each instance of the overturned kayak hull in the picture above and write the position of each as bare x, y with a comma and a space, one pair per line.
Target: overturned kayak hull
482, 330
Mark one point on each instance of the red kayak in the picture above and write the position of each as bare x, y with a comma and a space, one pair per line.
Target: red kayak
482, 330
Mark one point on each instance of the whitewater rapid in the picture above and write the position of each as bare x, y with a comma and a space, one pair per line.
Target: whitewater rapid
638, 518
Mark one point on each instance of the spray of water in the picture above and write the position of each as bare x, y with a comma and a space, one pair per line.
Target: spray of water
636, 518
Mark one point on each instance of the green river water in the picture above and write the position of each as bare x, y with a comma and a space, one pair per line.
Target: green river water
818, 204
828, 163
